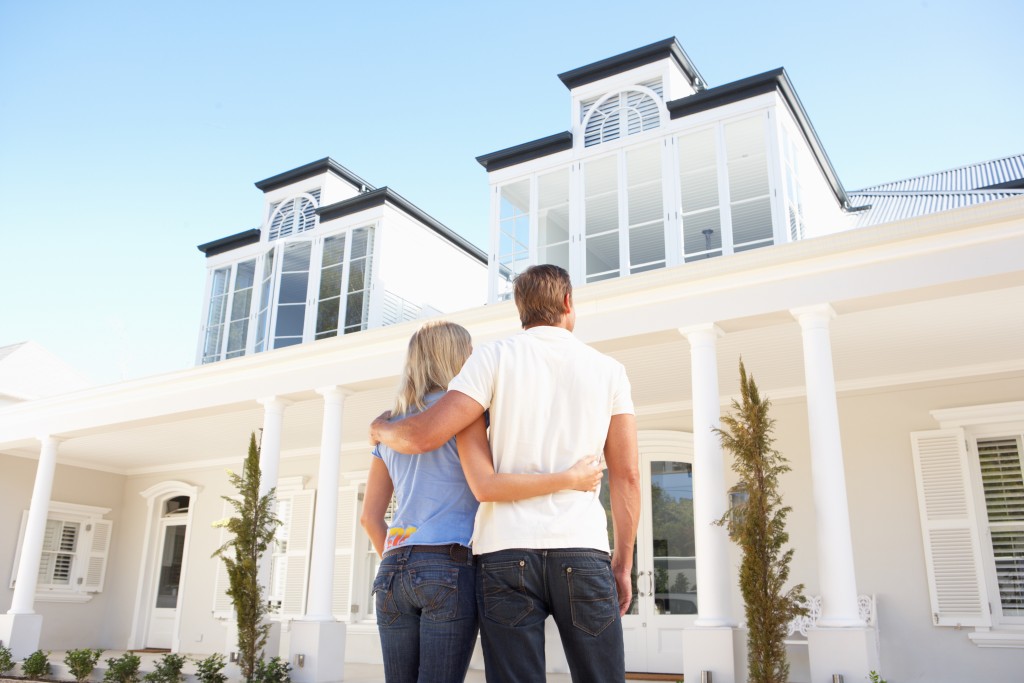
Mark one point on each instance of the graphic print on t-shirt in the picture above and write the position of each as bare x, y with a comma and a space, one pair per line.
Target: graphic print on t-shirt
397, 536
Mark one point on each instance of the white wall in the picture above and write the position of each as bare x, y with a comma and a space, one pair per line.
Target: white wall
64, 625
418, 264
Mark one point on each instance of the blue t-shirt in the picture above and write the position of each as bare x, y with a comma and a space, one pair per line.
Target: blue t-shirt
434, 505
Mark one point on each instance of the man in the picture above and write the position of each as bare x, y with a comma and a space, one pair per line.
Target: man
552, 400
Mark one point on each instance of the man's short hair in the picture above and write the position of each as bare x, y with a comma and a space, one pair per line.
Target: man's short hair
540, 294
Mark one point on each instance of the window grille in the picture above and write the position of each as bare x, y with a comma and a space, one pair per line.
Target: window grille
633, 111
293, 216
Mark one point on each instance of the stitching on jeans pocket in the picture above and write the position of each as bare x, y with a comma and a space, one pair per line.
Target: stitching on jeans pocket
437, 591
504, 598
384, 598
592, 599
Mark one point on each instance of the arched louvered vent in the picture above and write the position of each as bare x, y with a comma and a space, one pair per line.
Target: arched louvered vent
293, 215
631, 111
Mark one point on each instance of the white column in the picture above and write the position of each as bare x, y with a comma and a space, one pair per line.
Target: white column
709, 496
270, 444
32, 547
835, 544
321, 571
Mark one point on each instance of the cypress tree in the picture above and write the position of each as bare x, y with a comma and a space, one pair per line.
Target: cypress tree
252, 530
758, 527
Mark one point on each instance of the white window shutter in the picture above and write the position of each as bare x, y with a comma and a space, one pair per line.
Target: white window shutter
949, 527
95, 556
344, 540
222, 607
300, 531
17, 550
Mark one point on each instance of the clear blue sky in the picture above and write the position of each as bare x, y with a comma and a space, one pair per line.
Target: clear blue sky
130, 132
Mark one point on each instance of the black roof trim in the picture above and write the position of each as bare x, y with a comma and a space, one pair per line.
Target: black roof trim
231, 242
552, 144
630, 60
312, 169
368, 200
758, 85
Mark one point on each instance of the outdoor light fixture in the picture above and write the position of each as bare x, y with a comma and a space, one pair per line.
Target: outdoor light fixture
233, 657
300, 660
705, 677
837, 678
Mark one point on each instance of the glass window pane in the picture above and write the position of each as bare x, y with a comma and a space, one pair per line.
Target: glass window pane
290, 319
355, 313
327, 316
602, 254
672, 538
356, 276
170, 566
647, 244
361, 242
752, 221
330, 282
293, 288
698, 172
556, 255
334, 251
296, 257
553, 208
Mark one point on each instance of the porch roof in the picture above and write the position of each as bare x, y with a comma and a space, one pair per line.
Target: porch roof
921, 300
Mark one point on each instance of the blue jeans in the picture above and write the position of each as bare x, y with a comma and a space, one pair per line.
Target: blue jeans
518, 589
426, 614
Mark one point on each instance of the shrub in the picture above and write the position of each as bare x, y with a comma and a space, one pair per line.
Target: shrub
6, 660
36, 665
167, 670
274, 671
208, 670
82, 662
123, 669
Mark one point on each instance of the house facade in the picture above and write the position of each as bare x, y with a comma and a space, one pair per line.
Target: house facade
700, 225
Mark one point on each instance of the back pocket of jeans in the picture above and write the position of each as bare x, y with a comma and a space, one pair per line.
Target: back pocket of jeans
384, 598
437, 591
592, 598
504, 598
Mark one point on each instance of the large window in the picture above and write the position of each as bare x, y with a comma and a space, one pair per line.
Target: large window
73, 561
298, 290
513, 234
970, 479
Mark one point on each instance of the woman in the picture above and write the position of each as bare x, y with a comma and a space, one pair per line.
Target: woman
425, 587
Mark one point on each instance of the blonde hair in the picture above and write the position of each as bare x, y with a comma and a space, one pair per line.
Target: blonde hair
436, 354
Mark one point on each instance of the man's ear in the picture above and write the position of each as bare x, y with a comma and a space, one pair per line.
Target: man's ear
567, 304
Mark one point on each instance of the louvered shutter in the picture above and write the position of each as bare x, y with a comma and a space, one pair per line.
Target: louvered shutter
98, 537
952, 549
17, 551
222, 607
344, 542
300, 530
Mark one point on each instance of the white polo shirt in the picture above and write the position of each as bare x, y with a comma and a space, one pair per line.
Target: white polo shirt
551, 399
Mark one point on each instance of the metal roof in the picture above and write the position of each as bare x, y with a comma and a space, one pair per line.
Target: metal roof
885, 207
1007, 172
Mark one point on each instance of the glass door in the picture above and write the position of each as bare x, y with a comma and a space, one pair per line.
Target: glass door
664, 575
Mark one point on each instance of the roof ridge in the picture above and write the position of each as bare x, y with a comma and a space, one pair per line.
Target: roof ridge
916, 193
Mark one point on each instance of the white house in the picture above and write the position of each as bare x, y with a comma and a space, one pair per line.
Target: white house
700, 225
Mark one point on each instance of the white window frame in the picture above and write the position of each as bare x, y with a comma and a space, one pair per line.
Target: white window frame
89, 557
974, 423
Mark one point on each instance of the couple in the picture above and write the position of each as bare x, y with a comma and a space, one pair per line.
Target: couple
540, 536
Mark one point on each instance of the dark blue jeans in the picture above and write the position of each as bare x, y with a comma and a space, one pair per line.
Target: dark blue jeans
518, 589
426, 615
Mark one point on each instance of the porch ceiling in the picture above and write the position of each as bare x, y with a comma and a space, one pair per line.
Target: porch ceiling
973, 334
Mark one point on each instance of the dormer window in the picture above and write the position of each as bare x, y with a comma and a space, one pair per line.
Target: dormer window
293, 216
628, 112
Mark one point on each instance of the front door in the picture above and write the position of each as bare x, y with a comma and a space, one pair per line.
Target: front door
664, 575
164, 612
